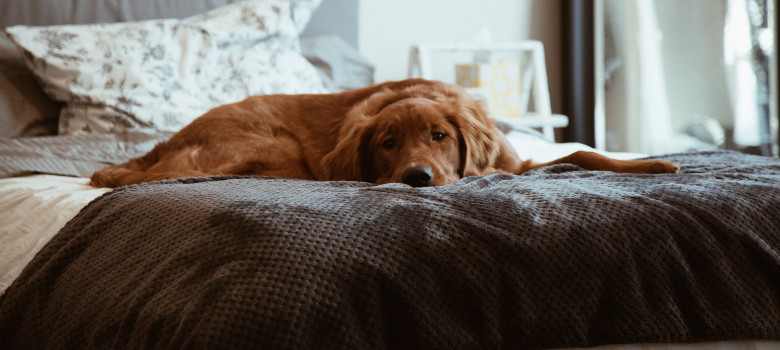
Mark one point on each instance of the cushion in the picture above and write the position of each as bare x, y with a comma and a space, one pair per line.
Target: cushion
162, 74
25, 110
340, 65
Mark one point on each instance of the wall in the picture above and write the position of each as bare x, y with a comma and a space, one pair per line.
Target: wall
387, 29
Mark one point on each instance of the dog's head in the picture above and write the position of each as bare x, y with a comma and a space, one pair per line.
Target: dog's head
428, 135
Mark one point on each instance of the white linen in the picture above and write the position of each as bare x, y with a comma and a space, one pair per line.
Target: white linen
538, 149
32, 211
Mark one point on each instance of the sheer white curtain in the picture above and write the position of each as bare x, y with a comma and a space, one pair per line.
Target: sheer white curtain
741, 75
689, 75
641, 102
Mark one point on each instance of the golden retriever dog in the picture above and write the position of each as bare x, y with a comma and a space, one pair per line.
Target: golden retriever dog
417, 132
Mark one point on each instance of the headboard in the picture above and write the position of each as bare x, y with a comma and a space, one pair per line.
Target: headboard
334, 17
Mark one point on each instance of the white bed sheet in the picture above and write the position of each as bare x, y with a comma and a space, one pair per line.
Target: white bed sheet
538, 149
32, 210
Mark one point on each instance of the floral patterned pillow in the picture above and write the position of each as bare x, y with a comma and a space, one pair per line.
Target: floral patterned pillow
162, 74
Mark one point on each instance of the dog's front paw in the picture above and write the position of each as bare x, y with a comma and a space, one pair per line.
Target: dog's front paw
662, 167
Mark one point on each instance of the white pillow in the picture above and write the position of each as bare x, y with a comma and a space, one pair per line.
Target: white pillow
162, 74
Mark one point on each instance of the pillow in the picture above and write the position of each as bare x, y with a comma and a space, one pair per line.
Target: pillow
162, 74
340, 65
25, 110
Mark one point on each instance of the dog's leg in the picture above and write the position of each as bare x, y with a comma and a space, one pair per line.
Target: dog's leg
119, 175
596, 161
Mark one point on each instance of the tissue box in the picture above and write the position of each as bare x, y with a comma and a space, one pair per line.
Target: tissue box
500, 81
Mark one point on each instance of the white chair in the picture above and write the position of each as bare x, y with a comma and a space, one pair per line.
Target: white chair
533, 83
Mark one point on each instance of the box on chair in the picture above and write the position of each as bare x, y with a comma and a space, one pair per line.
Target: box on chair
500, 81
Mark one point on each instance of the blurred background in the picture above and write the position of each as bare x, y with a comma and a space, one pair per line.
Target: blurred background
647, 76
687, 75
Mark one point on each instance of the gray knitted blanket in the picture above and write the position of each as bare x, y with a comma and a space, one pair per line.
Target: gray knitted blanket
553, 258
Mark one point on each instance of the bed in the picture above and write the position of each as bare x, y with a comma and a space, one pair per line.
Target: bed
558, 257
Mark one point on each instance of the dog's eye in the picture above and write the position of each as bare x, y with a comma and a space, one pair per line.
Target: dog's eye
438, 136
388, 144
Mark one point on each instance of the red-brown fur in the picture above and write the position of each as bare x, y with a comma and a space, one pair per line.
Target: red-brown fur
346, 136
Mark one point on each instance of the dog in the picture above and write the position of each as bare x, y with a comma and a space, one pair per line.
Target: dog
417, 132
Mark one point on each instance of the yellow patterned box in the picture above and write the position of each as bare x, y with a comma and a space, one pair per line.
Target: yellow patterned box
501, 80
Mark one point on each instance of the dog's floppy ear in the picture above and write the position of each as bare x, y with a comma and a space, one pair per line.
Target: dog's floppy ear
478, 146
347, 160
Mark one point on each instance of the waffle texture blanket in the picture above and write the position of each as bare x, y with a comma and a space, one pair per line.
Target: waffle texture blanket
553, 258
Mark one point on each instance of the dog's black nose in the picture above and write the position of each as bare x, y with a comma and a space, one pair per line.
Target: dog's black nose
417, 176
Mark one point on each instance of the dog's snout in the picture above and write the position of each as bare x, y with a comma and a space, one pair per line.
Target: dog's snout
417, 176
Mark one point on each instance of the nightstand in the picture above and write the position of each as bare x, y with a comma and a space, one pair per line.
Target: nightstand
532, 76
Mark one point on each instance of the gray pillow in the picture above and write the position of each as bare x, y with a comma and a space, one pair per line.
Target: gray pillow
25, 110
340, 65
